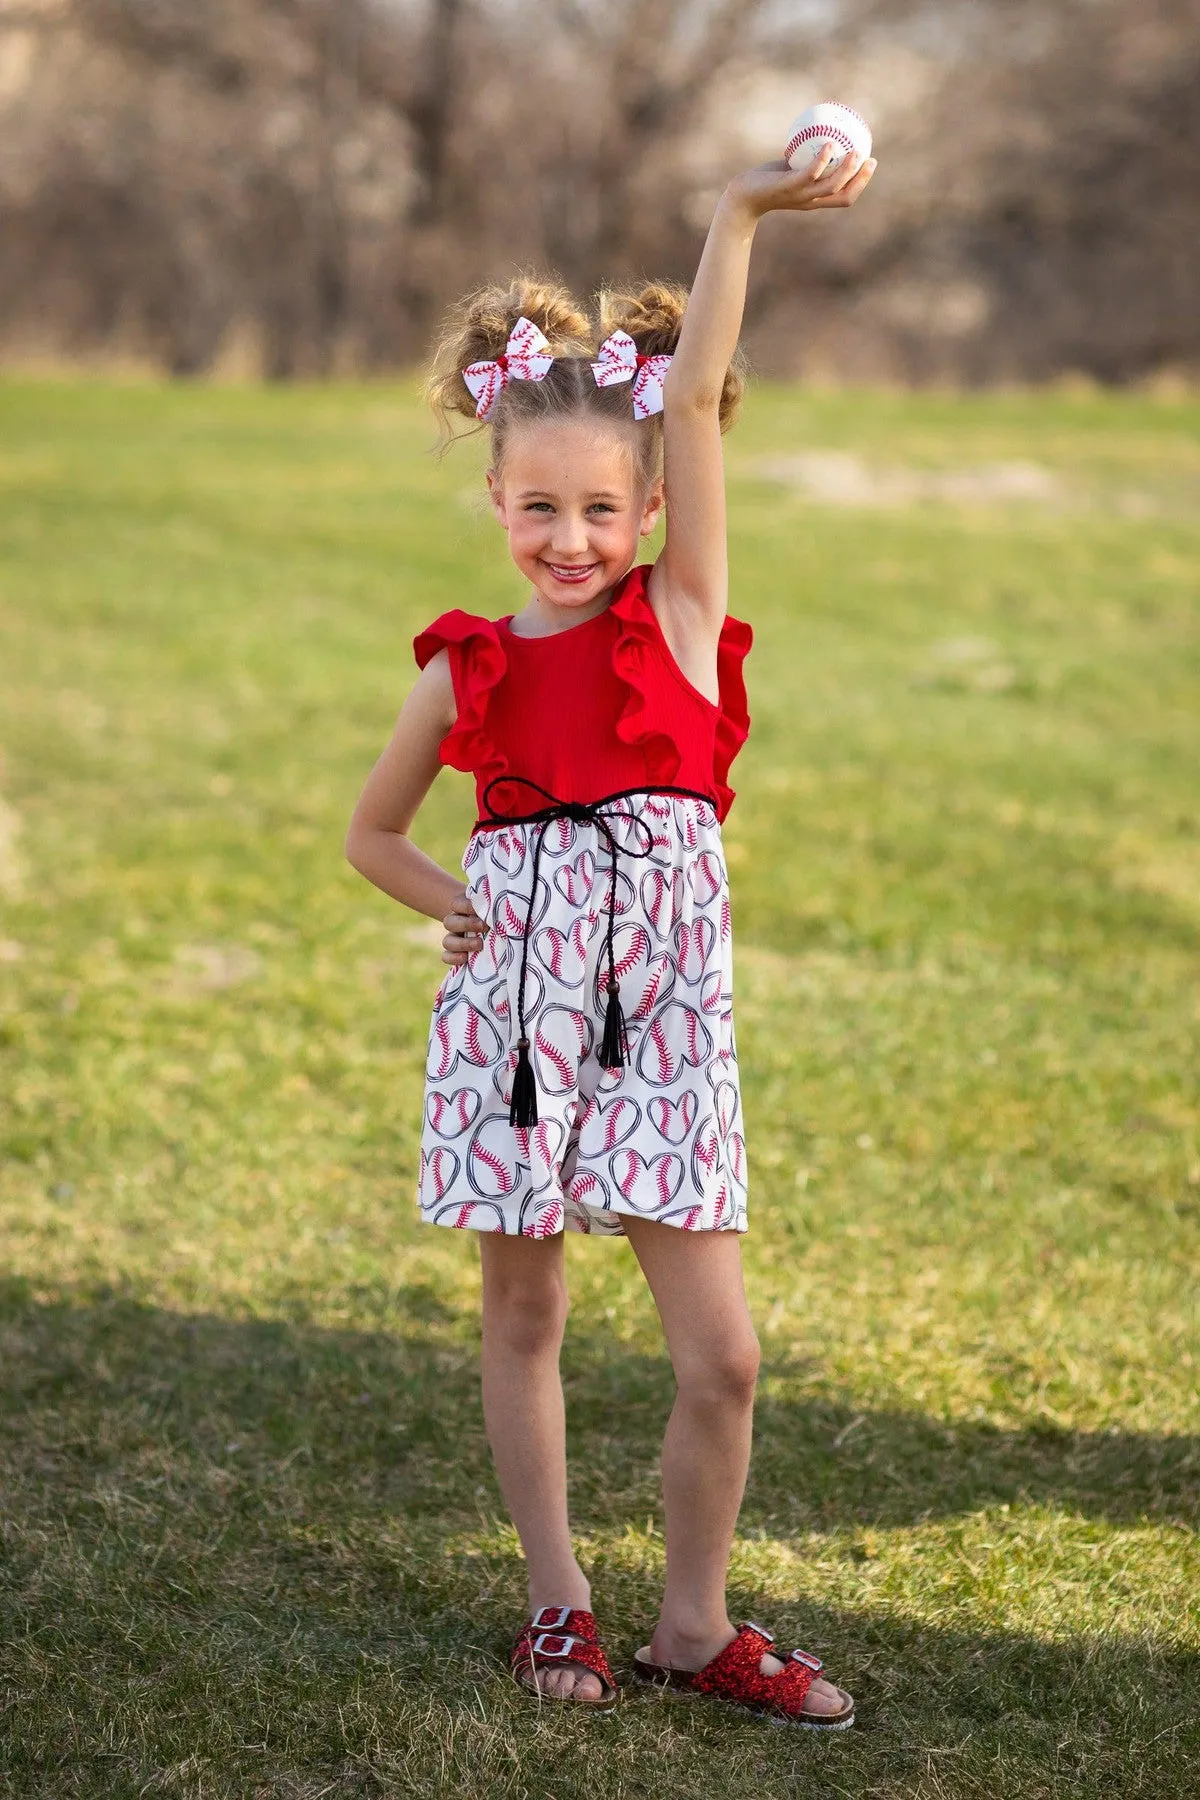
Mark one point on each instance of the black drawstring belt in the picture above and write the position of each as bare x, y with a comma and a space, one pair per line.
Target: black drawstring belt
614, 1044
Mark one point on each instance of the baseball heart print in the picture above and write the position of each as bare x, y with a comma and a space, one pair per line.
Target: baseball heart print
658, 1138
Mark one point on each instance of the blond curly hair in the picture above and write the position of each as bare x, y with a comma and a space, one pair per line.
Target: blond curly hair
478, 327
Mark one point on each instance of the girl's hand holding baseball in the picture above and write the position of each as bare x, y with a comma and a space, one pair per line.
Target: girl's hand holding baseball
774, 187
464, 932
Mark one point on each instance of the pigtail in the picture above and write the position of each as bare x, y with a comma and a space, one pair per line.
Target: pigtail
653, 318
478, 327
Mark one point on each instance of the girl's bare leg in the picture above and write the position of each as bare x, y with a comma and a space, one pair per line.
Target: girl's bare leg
524, 1315
696, 1280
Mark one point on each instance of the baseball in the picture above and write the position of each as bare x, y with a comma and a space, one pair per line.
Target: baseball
827, 123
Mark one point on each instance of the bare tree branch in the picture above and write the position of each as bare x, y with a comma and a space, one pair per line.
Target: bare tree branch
320, 176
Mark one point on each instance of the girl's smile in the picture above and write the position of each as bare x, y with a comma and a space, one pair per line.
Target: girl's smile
561, 572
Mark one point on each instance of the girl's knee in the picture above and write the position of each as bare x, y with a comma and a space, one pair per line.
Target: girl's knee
723, 1372
526, 1313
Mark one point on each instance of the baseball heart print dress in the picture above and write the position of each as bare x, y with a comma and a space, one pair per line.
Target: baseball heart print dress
582, 1063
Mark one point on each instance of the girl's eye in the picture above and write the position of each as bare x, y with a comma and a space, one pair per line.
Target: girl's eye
545, 506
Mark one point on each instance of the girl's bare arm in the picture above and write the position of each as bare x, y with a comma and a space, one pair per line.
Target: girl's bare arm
689, 586
377, 842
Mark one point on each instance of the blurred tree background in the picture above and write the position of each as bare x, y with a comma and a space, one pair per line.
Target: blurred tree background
297, 186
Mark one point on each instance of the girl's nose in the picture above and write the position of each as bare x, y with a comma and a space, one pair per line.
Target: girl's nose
570, 537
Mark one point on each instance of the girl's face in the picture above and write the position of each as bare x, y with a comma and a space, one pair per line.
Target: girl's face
574, 508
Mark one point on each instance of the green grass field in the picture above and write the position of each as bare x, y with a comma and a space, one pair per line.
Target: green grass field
252, 1545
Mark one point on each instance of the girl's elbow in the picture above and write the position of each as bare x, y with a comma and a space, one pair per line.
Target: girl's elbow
355, 845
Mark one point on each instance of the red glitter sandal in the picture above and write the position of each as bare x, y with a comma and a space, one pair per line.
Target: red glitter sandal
562, 1637
733, 1674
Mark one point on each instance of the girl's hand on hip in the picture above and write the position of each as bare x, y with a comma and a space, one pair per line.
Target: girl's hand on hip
464, 932
774, 187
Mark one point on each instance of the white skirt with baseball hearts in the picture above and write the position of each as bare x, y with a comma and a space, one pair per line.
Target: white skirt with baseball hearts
660, 1138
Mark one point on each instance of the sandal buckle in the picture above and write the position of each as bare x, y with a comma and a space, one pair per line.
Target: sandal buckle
748, 1624
563, 1641
550, 1618
809, 1662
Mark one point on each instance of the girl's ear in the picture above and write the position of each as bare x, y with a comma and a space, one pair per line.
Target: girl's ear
496, 495
652, 510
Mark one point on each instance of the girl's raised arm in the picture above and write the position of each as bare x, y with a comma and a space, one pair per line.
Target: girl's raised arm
689, 587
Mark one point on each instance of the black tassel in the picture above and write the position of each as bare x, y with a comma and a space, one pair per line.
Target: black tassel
523, 1110
614, 1045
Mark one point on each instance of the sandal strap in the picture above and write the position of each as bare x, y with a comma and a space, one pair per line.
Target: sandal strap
734, 1674
558, 1636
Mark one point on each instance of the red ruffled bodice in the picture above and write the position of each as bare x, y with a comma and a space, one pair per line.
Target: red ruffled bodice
591, 710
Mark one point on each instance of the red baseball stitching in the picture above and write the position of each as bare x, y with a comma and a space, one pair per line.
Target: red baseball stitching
706, 1149
663, 888
477, 1054
609, 1120
540, 1135
629, 1160
698, 936
544, 1222
442, 1035
499, 1168
708, 867
828, 134
666, 1062
441, 1104
664, 1168
696, 1034
574, 876
558, 1057
558, 948
633, 956
663, 1113
514, 924
710, 992
436, 1159
654, 985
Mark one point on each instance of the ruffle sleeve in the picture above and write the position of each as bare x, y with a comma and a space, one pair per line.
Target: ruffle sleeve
641, 659
477, 663
733, 726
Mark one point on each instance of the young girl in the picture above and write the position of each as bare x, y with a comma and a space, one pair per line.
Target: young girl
582, 1072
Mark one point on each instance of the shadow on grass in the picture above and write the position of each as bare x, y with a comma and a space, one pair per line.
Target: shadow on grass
395, 1418
261, 1557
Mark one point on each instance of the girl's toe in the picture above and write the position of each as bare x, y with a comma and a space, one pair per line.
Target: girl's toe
822, 1697
567, 1684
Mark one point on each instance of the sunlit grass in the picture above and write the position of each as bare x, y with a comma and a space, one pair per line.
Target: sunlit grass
252, 1544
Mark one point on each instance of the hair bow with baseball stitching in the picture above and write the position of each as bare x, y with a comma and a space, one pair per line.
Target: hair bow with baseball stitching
525, 358
621, 360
